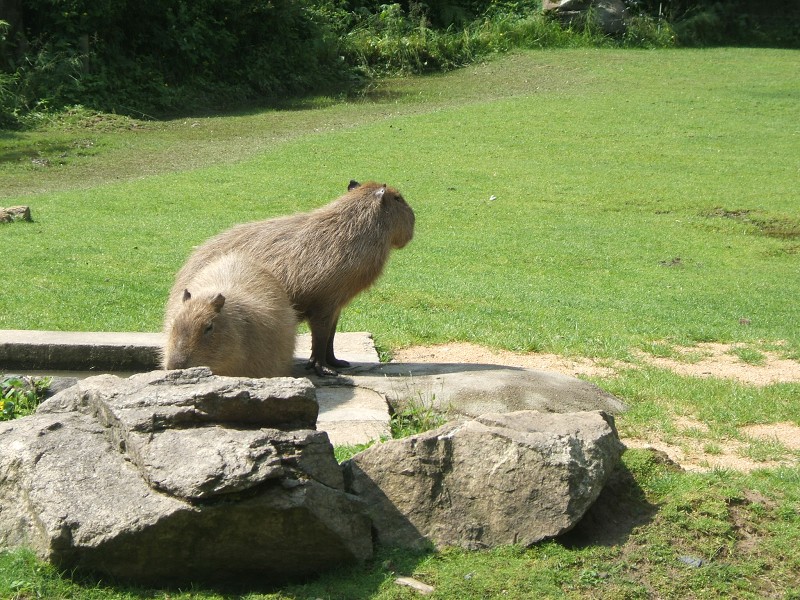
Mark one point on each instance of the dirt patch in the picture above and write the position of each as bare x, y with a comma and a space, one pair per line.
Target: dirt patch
786, 434
703, 360
475, 354
721, 360
691, 451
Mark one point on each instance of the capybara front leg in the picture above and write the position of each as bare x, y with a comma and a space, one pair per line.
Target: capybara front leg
332, 360
320, 326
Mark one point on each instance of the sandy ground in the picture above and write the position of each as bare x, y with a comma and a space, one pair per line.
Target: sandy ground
690, 451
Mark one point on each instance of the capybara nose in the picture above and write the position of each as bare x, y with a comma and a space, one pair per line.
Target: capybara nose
178, 361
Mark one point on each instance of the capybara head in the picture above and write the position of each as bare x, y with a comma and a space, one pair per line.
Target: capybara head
394, 212
196, 336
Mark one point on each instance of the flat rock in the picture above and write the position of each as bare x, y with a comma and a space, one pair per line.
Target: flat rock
473, 389
354, 407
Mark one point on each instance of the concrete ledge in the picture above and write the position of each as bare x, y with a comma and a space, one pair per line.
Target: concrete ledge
81, 351
350, 415
32, 350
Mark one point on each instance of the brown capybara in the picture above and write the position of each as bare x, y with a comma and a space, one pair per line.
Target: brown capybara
323, 258
232, 316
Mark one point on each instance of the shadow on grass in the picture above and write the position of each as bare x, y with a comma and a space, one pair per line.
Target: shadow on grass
621, 507
354, 582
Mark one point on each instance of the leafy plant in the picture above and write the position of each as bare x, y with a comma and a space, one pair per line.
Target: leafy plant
19, 396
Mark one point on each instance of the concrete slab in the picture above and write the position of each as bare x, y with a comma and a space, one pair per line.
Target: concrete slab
79, 351
354, 407
132, 351
349, 414
356, 347
352, 415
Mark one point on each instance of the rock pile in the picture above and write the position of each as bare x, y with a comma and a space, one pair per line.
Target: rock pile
177, 476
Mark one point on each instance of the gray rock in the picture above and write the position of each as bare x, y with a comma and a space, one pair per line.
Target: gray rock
146, 402
475, 389
200, 490
609, 15
513, 478
15, 213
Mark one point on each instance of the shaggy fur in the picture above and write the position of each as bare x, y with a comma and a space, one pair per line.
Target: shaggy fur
234, 317
323, 258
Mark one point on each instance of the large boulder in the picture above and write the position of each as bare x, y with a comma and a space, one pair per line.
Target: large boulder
513, 478
179, 476
608, 15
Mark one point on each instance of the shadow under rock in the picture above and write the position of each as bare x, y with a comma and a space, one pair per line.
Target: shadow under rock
619, 509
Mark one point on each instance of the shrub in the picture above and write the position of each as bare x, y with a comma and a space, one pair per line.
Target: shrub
19, 396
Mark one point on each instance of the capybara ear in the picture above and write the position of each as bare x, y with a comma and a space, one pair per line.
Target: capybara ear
186, 295
380, 192
218, 302
353, 185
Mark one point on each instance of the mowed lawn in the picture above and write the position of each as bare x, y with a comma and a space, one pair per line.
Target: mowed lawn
585, 202
582, 201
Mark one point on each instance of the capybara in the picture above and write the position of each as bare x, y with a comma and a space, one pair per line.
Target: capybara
232, 316
323, 258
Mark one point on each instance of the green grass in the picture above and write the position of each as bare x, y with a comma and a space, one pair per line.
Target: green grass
606, 166
751, 356
643, 200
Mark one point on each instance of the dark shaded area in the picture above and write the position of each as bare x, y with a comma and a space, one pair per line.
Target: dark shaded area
621, 507
157, 58
177, 57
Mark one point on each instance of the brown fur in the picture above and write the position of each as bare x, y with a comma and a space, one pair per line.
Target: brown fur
323, 258
234, 317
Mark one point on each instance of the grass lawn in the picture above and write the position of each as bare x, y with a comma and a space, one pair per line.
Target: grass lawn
584, 202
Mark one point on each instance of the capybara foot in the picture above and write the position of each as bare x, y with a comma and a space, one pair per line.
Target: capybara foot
320, 369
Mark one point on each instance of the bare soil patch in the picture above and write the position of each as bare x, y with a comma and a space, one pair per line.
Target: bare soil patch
690, 451
720, 360
475, 354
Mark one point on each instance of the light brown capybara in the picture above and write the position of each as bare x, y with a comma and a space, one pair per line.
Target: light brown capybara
323, 258
234, 317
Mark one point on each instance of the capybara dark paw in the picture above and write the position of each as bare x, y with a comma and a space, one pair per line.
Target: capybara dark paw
320, 369
338, 363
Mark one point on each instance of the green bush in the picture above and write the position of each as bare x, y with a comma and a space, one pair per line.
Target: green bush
19, 396
767, 23
181, 56
119, 55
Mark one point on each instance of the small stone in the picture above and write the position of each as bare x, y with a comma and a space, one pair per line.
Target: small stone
422, 588
692, 561
15, 213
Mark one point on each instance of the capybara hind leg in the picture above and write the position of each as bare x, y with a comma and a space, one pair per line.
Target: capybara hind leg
331, 358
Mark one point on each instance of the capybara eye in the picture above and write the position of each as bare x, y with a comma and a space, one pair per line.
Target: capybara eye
208, 329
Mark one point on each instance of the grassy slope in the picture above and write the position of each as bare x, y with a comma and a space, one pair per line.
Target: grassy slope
607, 168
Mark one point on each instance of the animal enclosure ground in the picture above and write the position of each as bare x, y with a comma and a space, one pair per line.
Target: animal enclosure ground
690, 446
